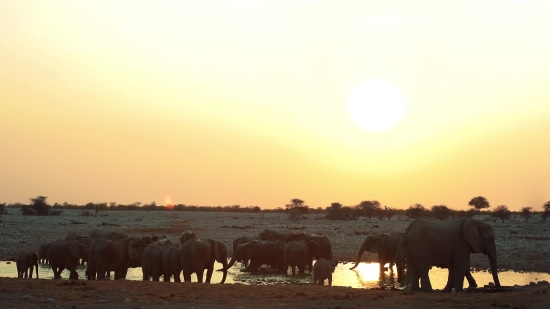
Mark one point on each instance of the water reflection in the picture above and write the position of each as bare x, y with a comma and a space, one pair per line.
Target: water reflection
366, 275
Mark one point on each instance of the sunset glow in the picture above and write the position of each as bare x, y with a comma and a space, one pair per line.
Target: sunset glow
258, 102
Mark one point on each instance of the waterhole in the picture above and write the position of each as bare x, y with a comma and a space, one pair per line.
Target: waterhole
366, 275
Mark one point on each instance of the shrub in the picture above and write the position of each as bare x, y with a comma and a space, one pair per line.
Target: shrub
368, 209
441, 212
526, 213
501, 212
415, 211
86, 213
295, 214
39, 205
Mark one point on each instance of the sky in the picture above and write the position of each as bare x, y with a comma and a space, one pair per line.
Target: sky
248, 102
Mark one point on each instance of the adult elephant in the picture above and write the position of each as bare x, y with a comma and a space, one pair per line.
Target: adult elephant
66, 255
299, 254
386, 246
260, 252
186, 235
114, 236
107, 255
243, 240
171, 263
196, 255
151, 262
446, 243
325, 247
24, 262
42, 250
268, 234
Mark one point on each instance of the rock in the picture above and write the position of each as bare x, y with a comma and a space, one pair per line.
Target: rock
50, 300
26, 297
101, 301
123, 290
127, 300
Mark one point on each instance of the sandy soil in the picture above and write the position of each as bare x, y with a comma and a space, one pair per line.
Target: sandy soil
136, 294
521, 247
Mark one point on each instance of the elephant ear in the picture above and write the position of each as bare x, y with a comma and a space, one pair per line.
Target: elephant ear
377, 245
74, 249
472, 236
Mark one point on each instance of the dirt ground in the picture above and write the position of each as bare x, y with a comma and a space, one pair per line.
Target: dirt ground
135, 294
521, 246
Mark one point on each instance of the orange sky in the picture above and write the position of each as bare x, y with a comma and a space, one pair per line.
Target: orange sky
246, 102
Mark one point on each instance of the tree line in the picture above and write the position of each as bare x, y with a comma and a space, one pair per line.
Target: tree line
297, 209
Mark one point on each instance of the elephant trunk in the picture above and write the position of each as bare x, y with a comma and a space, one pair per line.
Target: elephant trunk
224, 263
361, 251
493, 264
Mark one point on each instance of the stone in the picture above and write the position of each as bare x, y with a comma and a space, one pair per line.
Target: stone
50, 300
127, 300
26, 297
101, 301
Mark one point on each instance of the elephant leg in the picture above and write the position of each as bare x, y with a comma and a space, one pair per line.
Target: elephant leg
177, 277
450, 280
186, 276
209, 273
330, 281
471, 281
73, 275
425, 282
109, 274
415, 277
200, 273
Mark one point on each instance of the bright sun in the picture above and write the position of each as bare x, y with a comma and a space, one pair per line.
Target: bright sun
376, 105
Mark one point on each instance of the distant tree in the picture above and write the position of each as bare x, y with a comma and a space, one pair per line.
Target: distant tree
441, 212
479, 203
297, 204
40, 206
545, 215
526, 213
368, 209
546, 207
415, 211
3, 209
502, 212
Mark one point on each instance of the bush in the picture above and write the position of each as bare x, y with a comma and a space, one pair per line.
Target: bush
368, 209
501, 212
415, 211
441, 212
295, 214
55, 212
526, 213
39, 205
86, 213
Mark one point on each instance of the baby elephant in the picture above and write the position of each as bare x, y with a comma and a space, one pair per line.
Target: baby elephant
25, 262
323, 269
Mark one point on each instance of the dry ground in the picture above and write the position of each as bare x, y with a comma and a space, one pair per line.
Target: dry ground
137, 294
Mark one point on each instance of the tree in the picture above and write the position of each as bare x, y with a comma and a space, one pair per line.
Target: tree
441, 212
298, 205
502, 212
39, 205
546, 206
479, 202
368, 209
390, 212
415, 211
526, 213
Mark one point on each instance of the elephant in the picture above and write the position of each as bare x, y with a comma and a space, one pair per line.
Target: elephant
243, 240
24, 262
185, 236
268, 234
151, 262
260, 252
447, 244
107, 255
299, 254
42, 249
323, 270
171, 264
114, 236
387, 248
325, 247
196, 255
66, 255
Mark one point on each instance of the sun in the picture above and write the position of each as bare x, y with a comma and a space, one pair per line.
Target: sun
376, 105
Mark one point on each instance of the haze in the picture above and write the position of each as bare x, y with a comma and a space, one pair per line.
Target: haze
245, 102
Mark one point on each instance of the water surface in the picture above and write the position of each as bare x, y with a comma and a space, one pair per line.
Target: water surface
366, 275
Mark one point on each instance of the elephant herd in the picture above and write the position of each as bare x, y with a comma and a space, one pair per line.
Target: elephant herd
425, 243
